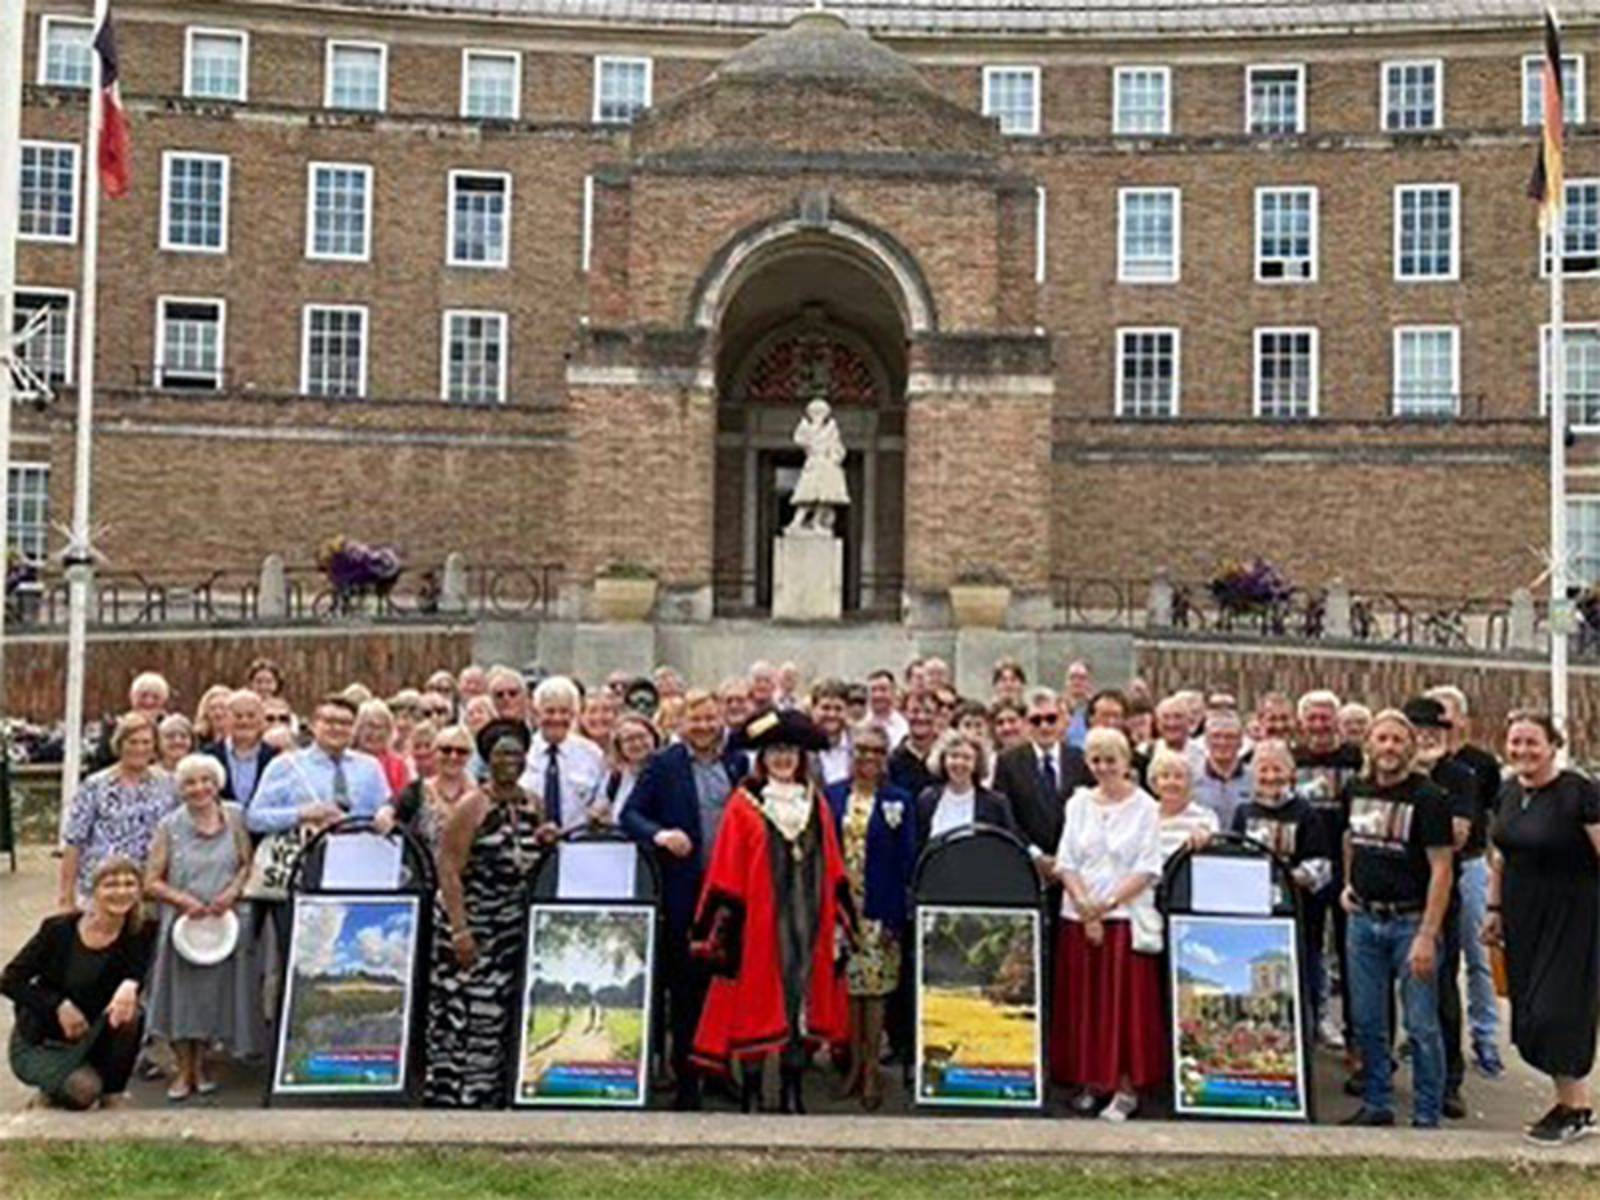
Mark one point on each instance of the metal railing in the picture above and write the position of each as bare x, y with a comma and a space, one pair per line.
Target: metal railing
504, 591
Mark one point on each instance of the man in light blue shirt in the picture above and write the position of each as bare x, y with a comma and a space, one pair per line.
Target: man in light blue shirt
323, 783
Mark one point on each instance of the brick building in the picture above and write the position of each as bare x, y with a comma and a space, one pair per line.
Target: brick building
1093, 289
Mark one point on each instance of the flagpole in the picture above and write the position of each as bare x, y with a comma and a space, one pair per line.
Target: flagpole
79, 557
11, 32
1559, 602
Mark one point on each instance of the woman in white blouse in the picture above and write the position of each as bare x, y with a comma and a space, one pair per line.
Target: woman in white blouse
1108, 1042
959, 799
1183, 821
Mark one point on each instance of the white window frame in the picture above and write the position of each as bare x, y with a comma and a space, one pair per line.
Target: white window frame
499, 315
167, 158
305, 347
1399, 335
1544, 370
1299, 70
1177, 236
1454, 274
1177, 370
22, 468
586, 231
468, 53
1124, 72
217, 31
1575, 501
1316, 233
1260, 332
450, 258
1544, 259
311, 212
161, 336
45, 23
1531, 91
1437, 64
77, 192
598, 68
1032, 125
70, 367
356, 44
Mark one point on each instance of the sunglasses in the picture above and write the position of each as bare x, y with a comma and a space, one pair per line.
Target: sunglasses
453, 751
870, 751
279, 718
505, 693
1039, 720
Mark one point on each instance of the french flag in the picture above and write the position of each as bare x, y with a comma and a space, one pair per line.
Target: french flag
116, 165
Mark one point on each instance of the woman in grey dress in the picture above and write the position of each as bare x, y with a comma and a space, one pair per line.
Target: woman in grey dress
198, 866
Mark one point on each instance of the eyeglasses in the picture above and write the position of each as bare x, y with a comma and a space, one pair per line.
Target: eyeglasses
453, 751
1040, 720
505, 693
870, 752
279, 718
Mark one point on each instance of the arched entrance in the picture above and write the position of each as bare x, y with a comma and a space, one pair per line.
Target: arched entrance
809, 317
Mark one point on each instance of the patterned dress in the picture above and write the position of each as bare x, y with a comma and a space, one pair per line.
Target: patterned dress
470, 1012
111, 815
874, 966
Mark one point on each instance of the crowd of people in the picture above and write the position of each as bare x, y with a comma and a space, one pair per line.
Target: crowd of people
787, 822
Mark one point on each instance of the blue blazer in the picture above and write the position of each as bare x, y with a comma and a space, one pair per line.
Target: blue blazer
665, 798
891, 851
264, 755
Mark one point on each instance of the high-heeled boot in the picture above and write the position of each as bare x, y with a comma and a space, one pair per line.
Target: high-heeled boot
791, 1094
750, 1088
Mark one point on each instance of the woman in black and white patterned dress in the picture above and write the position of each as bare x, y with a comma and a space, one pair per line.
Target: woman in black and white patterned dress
491, 843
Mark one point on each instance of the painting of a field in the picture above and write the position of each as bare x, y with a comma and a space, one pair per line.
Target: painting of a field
978, 1035
586, 1002
347, 1006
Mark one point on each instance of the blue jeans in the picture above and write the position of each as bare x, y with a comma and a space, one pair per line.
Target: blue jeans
1483, 1014
1379, 949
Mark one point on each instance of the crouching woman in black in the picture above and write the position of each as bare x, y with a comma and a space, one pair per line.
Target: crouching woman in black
77, 986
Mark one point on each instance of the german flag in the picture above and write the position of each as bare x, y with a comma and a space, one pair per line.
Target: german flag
1548, 181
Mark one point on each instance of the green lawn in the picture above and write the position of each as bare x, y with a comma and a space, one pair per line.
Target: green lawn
131, 1171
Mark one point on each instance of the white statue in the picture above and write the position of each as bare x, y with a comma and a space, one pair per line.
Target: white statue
821, 487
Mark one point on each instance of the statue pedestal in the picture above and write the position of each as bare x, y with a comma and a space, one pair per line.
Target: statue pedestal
807, 577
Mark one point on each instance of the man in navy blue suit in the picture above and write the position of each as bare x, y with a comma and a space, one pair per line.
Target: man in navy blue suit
676, 807
243, 755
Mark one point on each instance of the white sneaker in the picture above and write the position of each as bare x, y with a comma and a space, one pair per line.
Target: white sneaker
1332, 1036
1123, 1105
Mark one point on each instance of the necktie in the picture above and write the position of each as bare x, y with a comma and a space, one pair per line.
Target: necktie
341, 786
552, 787
1047, 772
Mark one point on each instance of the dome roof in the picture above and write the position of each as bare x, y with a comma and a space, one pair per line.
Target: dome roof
819, 46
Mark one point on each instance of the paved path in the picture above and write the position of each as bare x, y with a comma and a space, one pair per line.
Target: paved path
1492, 1130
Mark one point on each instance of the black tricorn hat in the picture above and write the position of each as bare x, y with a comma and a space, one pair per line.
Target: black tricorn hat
502, 728
787, 727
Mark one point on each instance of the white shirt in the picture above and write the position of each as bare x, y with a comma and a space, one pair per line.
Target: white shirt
1105, 843
895, 725
836, 761
1175, 831
954, 810
582, 769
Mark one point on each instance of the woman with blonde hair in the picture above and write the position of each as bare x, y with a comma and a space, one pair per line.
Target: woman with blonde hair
116, 810
1183, 821
212, 716
374, 735
76, 986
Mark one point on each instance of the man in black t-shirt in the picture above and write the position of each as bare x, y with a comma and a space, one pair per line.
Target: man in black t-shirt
1472, 884
1397, 853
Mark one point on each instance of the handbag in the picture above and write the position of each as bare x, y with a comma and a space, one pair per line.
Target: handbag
1146, 930
1497, 968
273, 863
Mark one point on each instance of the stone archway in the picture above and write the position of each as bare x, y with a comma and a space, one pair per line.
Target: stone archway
810, 315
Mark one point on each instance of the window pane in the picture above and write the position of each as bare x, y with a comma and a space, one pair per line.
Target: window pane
216, 66
1413, 96
624, 89
491, 86
339, 200
47, 352
1425, 373
1581, 229
1583, 376
335, 351
1426, 242
192, 340
47, 205
1274, 100
1141, 101
1012, 97
1149, 235
1149, 373
1533, 90
28, 510
478, 219
1287, 241
1285, 373
67, 51
195, 202
473, 358
1583, 538
357, 78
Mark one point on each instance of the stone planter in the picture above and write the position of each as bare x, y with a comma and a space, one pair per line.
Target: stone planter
624, 599
980, 605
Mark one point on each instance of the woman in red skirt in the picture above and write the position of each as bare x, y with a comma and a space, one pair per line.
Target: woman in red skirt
1107, 1038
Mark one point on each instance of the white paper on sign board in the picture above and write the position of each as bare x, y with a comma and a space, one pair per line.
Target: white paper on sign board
597, 870
364, 861
1220, 883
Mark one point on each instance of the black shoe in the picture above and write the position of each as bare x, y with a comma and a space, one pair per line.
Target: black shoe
1369, 1117
1355, 1085
1085, 1104
687, 1100
1454, 1107
791, 1092
750, 1089
1561, 1125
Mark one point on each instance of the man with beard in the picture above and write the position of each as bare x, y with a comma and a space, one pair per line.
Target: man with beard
1397, 853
